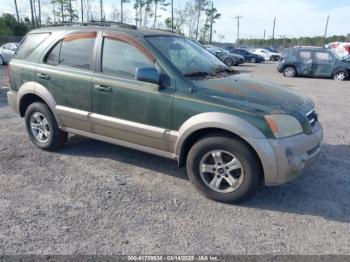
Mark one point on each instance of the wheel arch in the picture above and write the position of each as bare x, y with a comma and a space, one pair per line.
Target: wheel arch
31, 92
209, 123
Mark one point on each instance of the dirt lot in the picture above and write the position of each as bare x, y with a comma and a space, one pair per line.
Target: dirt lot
95, 198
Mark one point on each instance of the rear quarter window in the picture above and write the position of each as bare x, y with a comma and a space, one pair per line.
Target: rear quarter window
29, 44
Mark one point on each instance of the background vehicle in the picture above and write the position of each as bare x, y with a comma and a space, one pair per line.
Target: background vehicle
316, 62
268, 55
226, 57
248, 55
340, 48
161, 93
6, 52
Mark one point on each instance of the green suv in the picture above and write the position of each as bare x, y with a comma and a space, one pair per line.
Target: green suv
161, 93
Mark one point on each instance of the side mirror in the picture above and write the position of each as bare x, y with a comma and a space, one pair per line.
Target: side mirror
149, 75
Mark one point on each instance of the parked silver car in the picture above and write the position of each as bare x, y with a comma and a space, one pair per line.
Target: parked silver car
7, 51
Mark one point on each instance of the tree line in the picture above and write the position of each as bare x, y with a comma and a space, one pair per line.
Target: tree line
194, 19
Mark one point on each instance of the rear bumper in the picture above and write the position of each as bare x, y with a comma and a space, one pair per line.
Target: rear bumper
295, 153
12, 100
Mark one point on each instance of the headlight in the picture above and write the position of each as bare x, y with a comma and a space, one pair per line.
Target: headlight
284, 125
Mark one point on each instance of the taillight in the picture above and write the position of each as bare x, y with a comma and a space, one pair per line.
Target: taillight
8, 73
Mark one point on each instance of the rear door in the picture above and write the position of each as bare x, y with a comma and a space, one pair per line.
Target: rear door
67, 72
323, 63
304, 62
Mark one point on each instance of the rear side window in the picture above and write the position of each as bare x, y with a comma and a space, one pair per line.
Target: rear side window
29, 44
304, 55
74, 51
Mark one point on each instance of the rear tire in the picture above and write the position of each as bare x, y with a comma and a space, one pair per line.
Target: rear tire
289, 71
340, 75
231, 176
42, 127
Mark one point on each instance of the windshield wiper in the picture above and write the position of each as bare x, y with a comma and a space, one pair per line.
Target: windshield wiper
197, 74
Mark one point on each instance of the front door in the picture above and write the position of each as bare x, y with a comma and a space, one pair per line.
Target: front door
124, 108
323, 63
66, 73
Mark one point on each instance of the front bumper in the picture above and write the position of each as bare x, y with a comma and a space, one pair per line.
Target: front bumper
295, 153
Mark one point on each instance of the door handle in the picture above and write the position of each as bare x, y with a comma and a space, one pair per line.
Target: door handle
103, 88
43, 76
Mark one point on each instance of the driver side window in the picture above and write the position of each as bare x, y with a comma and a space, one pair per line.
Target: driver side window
122, 59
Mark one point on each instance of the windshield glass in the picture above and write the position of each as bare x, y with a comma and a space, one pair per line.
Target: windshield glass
187, 56
336, 54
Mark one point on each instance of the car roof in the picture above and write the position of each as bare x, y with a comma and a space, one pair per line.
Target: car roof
311, 48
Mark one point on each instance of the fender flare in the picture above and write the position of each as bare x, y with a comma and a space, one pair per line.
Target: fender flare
237, 126
40, 91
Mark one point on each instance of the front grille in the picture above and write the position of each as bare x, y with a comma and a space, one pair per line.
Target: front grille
313, 118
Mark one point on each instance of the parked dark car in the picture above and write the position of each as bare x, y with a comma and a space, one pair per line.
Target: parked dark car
248, 55
316, 62
226, 57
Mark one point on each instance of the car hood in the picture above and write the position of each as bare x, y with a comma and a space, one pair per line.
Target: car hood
243, 92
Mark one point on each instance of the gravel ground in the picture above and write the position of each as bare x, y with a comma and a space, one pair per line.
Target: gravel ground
95, 198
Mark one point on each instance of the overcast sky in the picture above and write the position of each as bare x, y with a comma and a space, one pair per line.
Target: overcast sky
294, 18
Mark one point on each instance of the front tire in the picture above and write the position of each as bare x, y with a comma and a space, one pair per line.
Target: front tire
42, 127
224, 169
340, 75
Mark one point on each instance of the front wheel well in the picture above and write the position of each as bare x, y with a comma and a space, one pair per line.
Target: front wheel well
199, 134
27, 100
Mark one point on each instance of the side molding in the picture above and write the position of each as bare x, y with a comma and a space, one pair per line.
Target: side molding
237, 126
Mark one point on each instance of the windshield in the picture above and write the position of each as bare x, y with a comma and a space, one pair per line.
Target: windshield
188, 57
336, 54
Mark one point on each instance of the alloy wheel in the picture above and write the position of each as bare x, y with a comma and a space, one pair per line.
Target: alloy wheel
289, 72
340, 76
221, 171
39, 127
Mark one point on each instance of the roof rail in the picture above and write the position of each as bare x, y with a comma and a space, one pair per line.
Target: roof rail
97, 23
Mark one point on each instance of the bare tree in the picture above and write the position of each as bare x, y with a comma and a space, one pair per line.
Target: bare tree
162, 4
200, 5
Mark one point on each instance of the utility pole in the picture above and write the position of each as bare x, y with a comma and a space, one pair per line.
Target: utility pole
273, 29
264, 34
121, 11
211, 22
82, 11
101, 10
172, 15
32, 12
238, 18
325, 31
39, 6
16, 11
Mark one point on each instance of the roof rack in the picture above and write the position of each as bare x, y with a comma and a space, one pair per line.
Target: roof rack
98, 23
